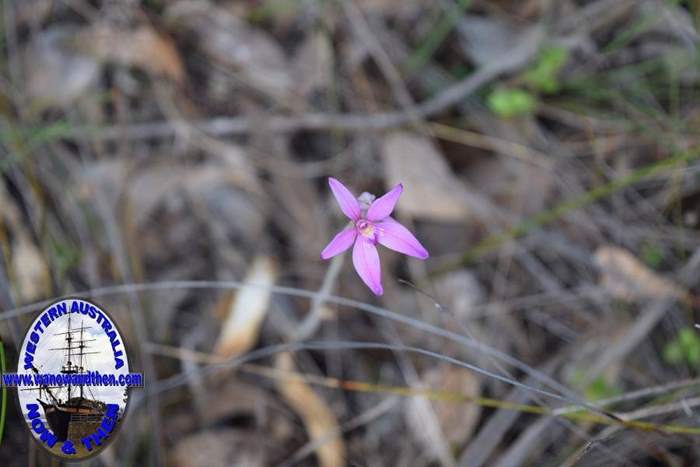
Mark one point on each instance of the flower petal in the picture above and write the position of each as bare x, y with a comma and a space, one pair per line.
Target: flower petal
341, 242
395, 236
366, 261
384, 205
347, 202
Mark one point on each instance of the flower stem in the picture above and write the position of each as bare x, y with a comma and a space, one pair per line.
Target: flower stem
312, 321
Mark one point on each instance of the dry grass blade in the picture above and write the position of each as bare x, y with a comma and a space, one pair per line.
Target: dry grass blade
240, 330
318, 418
458, 423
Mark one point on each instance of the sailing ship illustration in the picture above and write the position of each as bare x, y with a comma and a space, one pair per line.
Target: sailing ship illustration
70, 412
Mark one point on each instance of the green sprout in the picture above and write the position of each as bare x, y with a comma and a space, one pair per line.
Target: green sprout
543, 76
596, 389
599, 389
508, 103
684, 348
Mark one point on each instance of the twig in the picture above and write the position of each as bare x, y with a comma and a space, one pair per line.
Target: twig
391, 73
312, 321
223, 126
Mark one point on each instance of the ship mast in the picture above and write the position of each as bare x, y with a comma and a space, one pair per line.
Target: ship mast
82, 347
69, 368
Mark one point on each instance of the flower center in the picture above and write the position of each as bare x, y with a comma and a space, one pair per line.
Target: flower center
365, 228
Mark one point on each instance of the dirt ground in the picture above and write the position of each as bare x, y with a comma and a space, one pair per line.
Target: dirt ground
170, 160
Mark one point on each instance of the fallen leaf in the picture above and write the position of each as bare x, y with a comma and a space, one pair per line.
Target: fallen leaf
9, 214
312, 67
229, 41
627, 278
233, 398
456, 420
56, 72
30, 270
485, 38
432, 191
220, 447
459, 291
427, 430
141, 47
319, 420
155, 185
240, 330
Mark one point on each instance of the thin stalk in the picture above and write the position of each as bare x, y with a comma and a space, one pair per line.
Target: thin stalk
493, 242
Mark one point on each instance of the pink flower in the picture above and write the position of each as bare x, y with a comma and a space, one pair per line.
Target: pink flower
370, 225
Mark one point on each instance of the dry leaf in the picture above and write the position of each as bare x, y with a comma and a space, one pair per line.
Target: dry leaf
9, 214
319, 420
57, 73
312, 68
141, 47
150, 188
426, 429
30, 270
229, 41
221, 447
239, 333
233, 398
432, 190
459, 291
484, 39
457, 420
627, 278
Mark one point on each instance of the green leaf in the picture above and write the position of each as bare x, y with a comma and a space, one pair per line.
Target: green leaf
600, 389
684, 348
673, 353
687, 338
508, 103
543, 76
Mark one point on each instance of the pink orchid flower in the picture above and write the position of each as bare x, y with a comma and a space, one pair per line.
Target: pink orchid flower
370, 225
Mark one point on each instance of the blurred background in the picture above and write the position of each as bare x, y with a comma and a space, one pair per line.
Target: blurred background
155, 155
